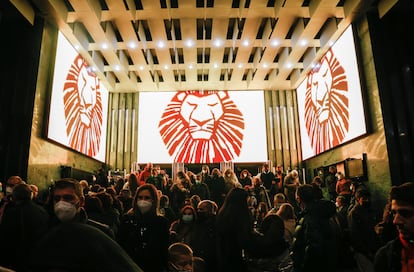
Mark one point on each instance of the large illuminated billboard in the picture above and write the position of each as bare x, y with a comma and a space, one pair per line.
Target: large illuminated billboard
79, 104
201, 127
330, 104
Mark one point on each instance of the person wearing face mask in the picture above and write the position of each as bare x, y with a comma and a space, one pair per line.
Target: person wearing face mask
156, 179
245, 178
198, 187
181, 230
11, 182
203, 241
144, 232
74, 243
66, 204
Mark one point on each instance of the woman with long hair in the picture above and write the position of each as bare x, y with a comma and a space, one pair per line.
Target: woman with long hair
234, 230
143, 233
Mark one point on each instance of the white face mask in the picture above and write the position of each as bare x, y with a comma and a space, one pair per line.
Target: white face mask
65, 211
9, 190
187, 218
144, 206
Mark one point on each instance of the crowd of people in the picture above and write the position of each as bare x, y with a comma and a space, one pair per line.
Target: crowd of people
205, 221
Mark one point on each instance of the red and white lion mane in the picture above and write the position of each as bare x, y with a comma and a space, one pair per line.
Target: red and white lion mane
83, 108
326, 104
202, 127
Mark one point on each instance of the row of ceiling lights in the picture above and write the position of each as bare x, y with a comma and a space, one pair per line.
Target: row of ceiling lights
190, 43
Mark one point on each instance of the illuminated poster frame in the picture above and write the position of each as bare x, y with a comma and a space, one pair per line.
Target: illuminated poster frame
330, 102
171, 140
78, 105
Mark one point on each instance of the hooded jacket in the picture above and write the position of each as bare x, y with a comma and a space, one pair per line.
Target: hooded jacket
314, 240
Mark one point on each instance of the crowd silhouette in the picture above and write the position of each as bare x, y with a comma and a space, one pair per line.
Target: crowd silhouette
218, 221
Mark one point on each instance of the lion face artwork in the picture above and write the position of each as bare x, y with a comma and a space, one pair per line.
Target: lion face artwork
326, 104
83, 108
202, 127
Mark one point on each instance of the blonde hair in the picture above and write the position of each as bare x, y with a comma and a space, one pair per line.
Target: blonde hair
286, 211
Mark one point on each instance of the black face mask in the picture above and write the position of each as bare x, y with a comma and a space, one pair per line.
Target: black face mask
202, 216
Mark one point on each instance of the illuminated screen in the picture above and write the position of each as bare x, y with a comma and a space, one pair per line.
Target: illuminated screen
201, 127
330, 102
79, 104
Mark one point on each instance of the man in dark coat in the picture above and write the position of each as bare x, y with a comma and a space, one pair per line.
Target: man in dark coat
74, 244
24, 222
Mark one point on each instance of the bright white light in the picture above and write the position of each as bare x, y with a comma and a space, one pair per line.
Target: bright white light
275, 43
215, 65
117, 68
189, 43
303, 42
265, 65
240, 65
218, 43
141, 67
161, 44
104, 46
190, 66
289, 65
132, 45
246, 43
166, 67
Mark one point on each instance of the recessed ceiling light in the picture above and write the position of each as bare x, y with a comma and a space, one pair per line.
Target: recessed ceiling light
215, 65
166, 67
246, 43
190, 66
161, 44
289, 65
132, 45
240, 65
264, 65
117, 68
104, 46
303, 42
218, 43
275, 43
141, 67
189, 43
